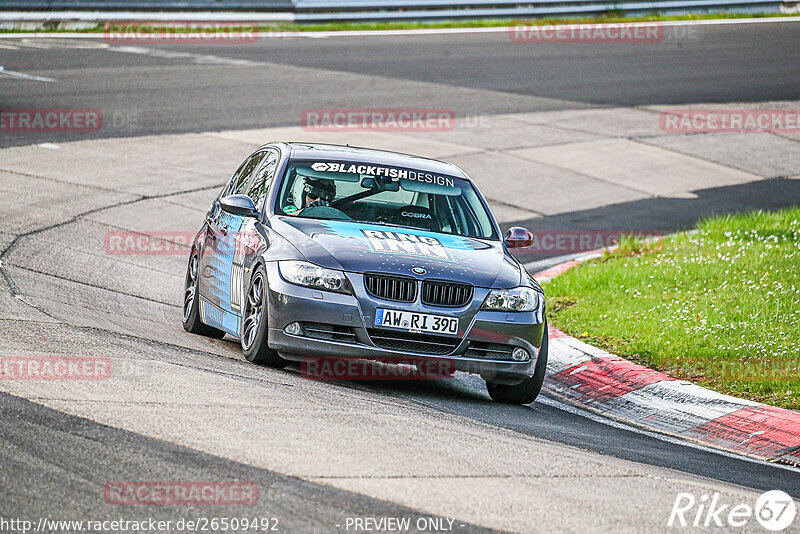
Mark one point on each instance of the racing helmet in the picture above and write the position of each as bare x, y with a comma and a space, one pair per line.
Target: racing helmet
321, 188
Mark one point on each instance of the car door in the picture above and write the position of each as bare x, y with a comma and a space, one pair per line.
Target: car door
221, 283
217, 260
244, 238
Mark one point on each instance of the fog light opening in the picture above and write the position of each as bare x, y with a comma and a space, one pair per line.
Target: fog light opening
294, 329
520, 355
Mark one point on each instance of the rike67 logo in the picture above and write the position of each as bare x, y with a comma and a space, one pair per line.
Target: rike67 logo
774, 510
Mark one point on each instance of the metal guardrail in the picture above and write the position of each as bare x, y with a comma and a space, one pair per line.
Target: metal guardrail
383, 10
402, 4
149, 5
550, 8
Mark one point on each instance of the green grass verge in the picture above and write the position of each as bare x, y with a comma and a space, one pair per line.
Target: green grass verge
486, 23
720, 307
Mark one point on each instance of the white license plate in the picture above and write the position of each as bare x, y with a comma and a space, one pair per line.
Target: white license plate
416, 322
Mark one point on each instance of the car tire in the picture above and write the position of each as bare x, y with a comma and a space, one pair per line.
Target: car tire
191, 302
527, 391
254, 323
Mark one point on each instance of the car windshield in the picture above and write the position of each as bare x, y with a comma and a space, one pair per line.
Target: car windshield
380, 194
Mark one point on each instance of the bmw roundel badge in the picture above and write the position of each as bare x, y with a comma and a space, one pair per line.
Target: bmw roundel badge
418, 270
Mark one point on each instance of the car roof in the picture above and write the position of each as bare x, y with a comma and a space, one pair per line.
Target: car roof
369, 155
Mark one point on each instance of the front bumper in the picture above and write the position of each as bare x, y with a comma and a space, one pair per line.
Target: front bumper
290, 303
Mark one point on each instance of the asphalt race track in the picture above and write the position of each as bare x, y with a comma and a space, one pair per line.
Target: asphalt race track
178, 407
183, 88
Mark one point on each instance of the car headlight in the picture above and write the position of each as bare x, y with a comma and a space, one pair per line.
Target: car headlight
307, 274
520, 299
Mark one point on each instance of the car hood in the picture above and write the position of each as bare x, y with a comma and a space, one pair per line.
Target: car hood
361, 247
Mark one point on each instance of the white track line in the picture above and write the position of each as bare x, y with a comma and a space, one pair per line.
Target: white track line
22, 76
426, 31
553, 403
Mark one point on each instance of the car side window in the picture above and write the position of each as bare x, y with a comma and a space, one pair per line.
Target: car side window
260, 180
239, 182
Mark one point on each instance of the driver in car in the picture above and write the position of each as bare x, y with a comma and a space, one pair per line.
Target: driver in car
318, 192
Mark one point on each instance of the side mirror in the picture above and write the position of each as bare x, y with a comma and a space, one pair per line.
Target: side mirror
518, 238
238, 205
